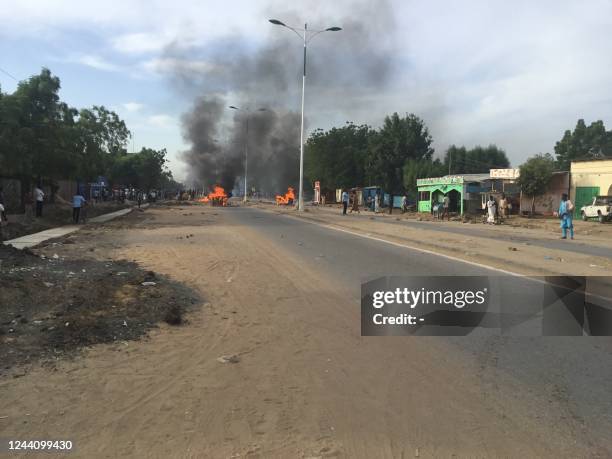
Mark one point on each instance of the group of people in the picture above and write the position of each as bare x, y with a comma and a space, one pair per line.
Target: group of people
350, 203
36, 198
497, 211
353, 199
442, 209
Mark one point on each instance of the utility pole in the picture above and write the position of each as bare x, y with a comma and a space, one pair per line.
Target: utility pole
303, 34
246, 145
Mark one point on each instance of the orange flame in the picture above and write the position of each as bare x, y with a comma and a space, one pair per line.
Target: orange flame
217, 197
287, 198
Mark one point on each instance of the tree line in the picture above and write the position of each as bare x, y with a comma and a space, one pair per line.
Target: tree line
400, 152
44, 139
393, 156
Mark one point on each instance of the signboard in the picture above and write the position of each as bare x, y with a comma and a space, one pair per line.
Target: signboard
510, 174
455, 179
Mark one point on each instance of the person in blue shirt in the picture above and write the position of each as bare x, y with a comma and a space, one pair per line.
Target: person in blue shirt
565, 214
345, 201
77, 202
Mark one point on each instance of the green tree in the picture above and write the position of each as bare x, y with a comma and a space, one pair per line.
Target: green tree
584, 142
535, 175
337, 157
459, 160
421, 168
101, 140
30, 127
43, 137
145, 170
399, 140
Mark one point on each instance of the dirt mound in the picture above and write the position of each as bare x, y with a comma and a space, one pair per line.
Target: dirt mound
53, 306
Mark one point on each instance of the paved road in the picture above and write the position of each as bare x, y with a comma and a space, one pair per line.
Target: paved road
574, 372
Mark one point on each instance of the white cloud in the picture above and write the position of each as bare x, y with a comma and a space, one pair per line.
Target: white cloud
139, 43
95, 62
162, 121
132, 106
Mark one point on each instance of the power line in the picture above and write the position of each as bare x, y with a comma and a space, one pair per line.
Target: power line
6, 73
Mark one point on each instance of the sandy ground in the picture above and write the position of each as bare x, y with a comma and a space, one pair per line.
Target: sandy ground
502, 248
300, 382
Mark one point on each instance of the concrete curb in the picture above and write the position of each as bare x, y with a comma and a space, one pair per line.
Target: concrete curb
31, 240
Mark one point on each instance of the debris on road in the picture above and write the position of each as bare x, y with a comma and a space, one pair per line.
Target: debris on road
229, 359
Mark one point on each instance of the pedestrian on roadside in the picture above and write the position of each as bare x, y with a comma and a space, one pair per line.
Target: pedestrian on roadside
404, 204
78, 201
39, 195
355, 205
491, 209
3, 217
445, 207
377, 203
503, 207
345, 201
566, 207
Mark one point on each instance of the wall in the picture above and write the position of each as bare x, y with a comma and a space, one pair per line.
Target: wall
12, 195
549, 202
66, 190
596, 174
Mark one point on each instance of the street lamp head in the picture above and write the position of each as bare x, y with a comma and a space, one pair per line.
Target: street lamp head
333, 29
276, 22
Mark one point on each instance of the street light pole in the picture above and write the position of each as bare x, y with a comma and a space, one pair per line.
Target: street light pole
246, 158
246, 145
301, 188
306, 39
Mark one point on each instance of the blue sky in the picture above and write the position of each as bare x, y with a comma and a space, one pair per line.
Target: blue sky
512, 73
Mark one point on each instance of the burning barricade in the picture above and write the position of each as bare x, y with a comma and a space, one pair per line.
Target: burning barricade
285, 199
217, 197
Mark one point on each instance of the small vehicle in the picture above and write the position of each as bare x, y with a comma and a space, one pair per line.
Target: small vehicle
601, 209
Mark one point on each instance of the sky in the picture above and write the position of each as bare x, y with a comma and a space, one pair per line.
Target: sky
516, 74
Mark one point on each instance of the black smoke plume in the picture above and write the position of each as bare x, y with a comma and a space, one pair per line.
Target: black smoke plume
343, 70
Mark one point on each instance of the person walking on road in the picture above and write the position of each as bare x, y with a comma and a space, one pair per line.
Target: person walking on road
565, 214
77, 202
345, 201
445, 207
39, 196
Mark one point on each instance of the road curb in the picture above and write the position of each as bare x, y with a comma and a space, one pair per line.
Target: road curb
34, 239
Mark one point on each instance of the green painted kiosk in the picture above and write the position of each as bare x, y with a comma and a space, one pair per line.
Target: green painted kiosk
433, 190
463, 191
